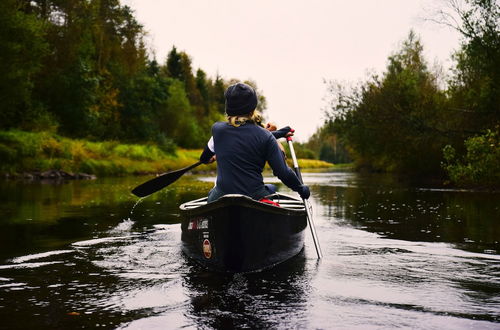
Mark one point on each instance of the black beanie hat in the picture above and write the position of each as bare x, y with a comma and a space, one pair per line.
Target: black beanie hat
240, 99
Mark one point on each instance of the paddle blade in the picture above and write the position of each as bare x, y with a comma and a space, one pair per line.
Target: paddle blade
160, 182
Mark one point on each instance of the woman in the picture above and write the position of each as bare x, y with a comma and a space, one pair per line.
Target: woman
242, 147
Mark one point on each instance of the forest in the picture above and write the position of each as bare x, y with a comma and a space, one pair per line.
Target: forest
82, 70
417, 120
81, 92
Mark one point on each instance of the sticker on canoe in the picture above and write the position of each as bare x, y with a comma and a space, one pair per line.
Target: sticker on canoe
207, 249
203, 224
198, 223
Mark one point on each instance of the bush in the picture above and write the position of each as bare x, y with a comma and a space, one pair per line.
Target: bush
51, 147
166, 144
8, 155
481, 164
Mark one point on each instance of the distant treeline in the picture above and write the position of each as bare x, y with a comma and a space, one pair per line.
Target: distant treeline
413, 119
81, 69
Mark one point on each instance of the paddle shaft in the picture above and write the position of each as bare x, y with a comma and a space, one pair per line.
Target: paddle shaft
306, 202
190, 167
162, 181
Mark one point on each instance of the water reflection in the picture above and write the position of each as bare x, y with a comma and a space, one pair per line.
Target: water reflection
469, 220
36, 217
395, 256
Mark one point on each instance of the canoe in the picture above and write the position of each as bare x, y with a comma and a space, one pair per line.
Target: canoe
239, 234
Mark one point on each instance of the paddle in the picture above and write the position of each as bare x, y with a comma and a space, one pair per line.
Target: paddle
306, 202
160, 182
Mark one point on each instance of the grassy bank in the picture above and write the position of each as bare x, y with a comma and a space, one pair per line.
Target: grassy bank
26, 152
40, 151
315, 164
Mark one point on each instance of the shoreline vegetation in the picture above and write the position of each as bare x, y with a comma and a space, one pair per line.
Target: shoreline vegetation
80, 73
46, 155
414, 118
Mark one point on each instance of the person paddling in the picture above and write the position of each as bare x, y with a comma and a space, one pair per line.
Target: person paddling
242, 147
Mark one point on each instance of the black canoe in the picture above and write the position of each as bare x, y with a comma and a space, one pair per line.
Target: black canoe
238, 234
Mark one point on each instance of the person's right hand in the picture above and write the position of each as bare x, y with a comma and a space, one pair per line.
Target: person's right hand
283, 132
304, 192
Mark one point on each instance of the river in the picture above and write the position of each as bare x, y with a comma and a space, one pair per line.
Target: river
85, 254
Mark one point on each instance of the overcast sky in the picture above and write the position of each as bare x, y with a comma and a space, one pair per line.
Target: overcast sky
289, 47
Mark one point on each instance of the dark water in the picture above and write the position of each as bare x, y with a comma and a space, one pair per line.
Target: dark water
395, 256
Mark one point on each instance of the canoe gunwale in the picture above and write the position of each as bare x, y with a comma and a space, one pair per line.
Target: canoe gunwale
192, 207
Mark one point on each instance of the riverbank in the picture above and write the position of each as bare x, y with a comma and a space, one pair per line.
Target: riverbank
28, 153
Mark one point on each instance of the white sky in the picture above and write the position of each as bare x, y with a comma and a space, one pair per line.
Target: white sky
289, 47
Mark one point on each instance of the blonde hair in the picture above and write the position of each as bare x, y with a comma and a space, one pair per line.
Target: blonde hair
252, 117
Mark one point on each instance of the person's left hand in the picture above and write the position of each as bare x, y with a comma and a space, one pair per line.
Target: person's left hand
271, 126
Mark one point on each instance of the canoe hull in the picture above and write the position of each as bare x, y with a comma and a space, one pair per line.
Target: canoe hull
238, 234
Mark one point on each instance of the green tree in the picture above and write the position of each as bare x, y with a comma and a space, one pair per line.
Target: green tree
480, 166
474, 92
66, 83
95, 46
203, 86
217, 94
475, 86
144, 99
173, 66
178, 120
178, 66
22, 48
392, 123
327, 146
